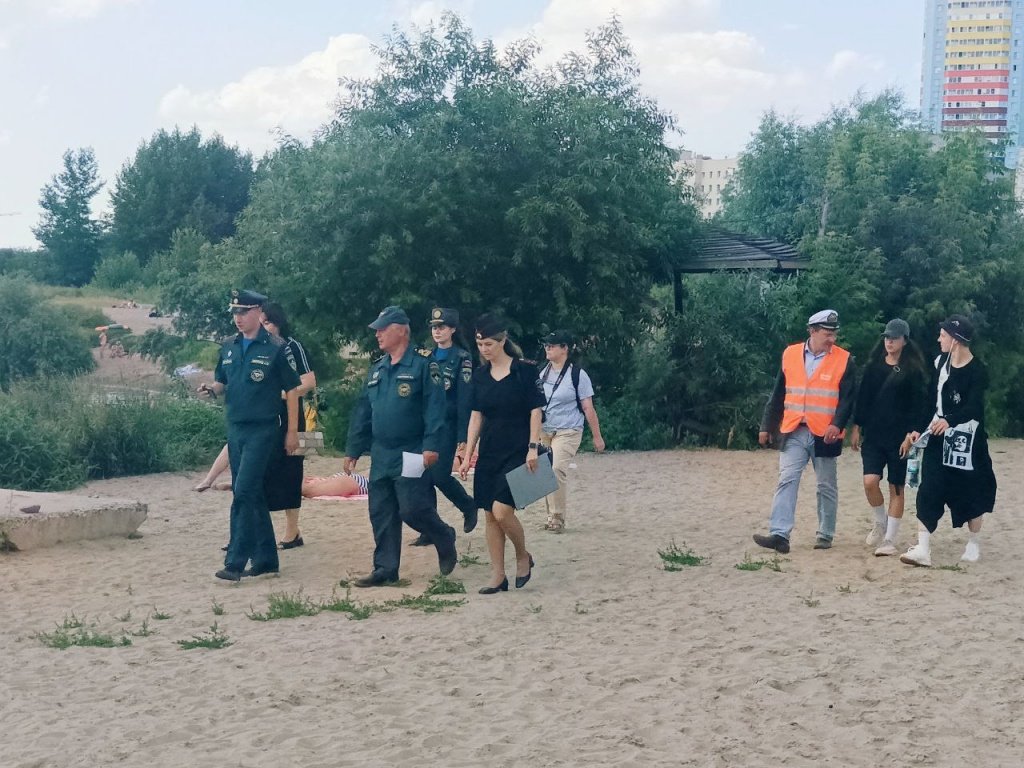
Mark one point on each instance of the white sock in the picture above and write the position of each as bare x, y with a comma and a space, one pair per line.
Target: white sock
923, 539
879, 514
972, 536
892, 528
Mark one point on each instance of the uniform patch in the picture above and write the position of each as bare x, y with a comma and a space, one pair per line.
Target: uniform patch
425, 352
447, 383
257, 374
435, 373
404, 389
467, 374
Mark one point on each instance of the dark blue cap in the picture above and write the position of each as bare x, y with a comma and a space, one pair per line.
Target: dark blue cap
444, 316
246, 300
388, 316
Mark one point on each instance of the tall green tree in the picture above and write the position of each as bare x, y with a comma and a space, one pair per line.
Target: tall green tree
66, 228
468, 176
178, 180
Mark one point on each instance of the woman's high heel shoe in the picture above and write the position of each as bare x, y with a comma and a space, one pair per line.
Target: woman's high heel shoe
521, 580
503, 587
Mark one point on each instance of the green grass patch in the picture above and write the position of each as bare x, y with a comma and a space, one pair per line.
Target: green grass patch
213, 639
443, 585
160, 615
468, 559
355, 611
81, 637
956, 567
774, 564
425, 603
675, 558
218, 609
144, 630
282, 605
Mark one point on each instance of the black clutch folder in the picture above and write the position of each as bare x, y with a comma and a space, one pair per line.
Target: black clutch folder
528, 487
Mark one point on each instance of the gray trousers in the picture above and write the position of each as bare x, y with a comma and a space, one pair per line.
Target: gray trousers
797, 450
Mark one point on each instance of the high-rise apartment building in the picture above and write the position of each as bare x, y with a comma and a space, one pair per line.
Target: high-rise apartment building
972, 68
709, 177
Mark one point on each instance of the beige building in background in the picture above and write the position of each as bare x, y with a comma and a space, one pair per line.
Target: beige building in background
708, 177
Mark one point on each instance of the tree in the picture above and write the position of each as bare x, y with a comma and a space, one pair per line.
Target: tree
176, 181
465, 176
66, 228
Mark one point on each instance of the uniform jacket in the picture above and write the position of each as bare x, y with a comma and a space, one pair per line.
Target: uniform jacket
401, 409
457, 378
253, 380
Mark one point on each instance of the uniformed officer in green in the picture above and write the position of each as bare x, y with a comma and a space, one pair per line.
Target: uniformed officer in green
253, 370
401, 410
456, 366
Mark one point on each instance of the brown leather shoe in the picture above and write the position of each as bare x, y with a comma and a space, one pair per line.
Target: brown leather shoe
774, 541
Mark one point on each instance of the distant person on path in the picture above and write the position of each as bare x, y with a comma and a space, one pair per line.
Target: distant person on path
284, 473
401, 410
809, 407
252, 371
890, 401
956, 470
570, 400
456, 366
507, 407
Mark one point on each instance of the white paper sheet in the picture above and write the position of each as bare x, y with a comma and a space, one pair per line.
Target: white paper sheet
412, 464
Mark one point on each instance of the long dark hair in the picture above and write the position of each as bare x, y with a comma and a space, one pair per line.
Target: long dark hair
275, 314
911, 358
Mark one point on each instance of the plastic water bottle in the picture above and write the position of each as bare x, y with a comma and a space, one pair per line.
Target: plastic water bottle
914, 468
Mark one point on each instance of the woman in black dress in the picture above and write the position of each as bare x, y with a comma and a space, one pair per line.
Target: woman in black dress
957, 469
283, 481
506, 418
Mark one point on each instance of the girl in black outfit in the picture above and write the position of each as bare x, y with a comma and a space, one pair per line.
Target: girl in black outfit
891, 402
283, 482
506, 417
957, 469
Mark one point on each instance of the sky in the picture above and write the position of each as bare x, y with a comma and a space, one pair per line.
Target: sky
108, 74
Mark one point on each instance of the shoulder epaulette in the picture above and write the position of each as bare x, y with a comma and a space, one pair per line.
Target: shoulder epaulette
424, 352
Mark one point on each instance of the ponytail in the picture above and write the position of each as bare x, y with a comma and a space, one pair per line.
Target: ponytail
512, 349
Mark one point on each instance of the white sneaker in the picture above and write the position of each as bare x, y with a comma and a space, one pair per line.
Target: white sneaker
972, 553
917, 555
876, 536
888, 549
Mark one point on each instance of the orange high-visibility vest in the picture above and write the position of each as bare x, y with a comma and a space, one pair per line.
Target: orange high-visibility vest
812, 402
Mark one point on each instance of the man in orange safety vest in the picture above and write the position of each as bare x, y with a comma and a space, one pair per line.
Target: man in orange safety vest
809, 407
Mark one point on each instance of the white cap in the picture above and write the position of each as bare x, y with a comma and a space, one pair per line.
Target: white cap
827, 318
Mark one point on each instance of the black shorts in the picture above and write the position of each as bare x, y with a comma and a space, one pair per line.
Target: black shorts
878, 457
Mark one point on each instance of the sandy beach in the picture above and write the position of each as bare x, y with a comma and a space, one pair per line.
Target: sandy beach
839, 659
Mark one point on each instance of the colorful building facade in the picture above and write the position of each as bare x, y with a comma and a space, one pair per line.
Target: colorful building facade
971, 69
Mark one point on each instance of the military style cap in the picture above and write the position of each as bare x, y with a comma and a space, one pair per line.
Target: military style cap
827, 318
490, 326
389, 316
444, 316
562, 338
245, 300
959, 327
896, 328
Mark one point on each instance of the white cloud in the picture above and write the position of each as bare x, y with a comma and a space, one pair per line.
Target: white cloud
852, 62
42, 97
5, 137
80, 9
297, 98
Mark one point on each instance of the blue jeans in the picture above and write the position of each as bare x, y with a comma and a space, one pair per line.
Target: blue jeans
796, 452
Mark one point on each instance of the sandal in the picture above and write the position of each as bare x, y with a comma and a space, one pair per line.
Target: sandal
554, 526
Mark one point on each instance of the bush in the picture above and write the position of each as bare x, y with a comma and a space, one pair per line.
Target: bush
118, 272
35, 337
56, 433
337, 399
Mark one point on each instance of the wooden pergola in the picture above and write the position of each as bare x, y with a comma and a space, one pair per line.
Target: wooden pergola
721, 250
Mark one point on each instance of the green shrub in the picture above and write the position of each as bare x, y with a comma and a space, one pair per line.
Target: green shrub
54, 434
172, 351
118, 272
35, 337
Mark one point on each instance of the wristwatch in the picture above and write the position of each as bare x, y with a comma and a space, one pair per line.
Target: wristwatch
534, 446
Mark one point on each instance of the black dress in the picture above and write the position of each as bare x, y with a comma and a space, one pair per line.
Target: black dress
957, 469
282, 484
505, 436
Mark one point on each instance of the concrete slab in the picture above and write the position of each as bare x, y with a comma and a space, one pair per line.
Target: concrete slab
32, 520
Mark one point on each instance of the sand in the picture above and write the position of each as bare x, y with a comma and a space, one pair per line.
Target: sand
840, 659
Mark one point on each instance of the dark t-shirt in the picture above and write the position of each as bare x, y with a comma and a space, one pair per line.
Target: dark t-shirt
891, 402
